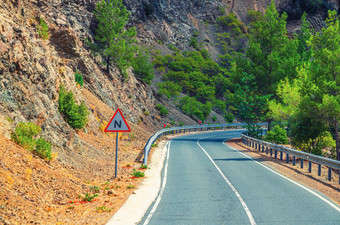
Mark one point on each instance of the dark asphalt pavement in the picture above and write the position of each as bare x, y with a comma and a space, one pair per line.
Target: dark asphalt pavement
230, 188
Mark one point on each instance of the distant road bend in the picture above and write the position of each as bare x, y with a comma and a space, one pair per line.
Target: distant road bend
207, 182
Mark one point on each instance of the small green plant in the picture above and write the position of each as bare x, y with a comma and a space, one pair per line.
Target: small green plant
130, 186
43, 149
128, 165
107, 188
88, 197
9, 119
25, 135
173, 122
181, 123
107, 183
137, 173
143, 166
42, 29
214, 118
95, 189
118, 186
132, 136
154, 145
162, 110
146, 112
103, 209
79, 78
75, 115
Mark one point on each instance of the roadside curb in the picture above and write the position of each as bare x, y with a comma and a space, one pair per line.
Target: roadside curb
138, 203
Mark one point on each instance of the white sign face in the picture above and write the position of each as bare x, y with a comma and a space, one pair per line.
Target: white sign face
117, 123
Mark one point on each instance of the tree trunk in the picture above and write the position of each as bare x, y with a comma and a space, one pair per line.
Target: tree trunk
108, 64
269, 121
337, 139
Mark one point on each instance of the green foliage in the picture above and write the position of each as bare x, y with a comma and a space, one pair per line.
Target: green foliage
113, 40
229, 117
181, 124
289, 98
214, 118
162, 110
103, 209
192, 107
277, 135
137, 173
79, 78
194, 43
95, 189
42, 30
143, 166
75, 115
88, 197
169, 89
43, 149
142, 66
25, 135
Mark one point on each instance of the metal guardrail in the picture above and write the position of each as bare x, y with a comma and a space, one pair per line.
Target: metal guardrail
195, 128
270, 148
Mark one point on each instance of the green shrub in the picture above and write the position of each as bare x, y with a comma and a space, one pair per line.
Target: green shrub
142, 66
181, 124
88, 197
214, 118
42, 29
25, 135
162, 110
79, 78
229, 117
43, 149
277, 135
75, 115
137, 173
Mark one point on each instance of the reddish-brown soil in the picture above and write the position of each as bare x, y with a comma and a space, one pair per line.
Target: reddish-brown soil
320, 183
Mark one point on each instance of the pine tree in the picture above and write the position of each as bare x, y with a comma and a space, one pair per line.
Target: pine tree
114, 41
322, 75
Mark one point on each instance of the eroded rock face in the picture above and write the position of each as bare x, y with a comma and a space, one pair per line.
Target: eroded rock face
32, 70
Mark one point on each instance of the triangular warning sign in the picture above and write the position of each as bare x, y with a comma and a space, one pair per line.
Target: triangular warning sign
117, 123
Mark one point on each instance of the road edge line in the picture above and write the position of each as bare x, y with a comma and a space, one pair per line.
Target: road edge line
160, 195
294, 182
244, 205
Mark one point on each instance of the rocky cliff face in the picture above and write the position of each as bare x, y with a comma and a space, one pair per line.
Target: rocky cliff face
32, 70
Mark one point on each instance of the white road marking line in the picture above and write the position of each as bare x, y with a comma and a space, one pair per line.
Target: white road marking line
294, 182
245, 207
147, 220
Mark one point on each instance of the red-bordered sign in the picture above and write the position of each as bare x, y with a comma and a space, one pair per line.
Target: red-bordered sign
117, 123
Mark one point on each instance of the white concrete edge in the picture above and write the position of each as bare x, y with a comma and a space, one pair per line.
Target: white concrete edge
134, 209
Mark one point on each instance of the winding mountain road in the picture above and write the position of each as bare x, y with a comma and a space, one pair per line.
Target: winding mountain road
207, 182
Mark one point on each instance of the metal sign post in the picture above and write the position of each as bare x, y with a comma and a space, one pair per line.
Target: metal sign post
117, 124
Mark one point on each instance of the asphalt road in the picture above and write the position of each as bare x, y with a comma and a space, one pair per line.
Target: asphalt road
207, 182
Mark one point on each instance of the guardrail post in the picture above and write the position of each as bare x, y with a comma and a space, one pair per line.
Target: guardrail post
267, 150
201, 128
310, 166
319, 170
287, 158
275, 154
329, 173
301, 163
271, 152
262, 148
281, 155
294, 160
